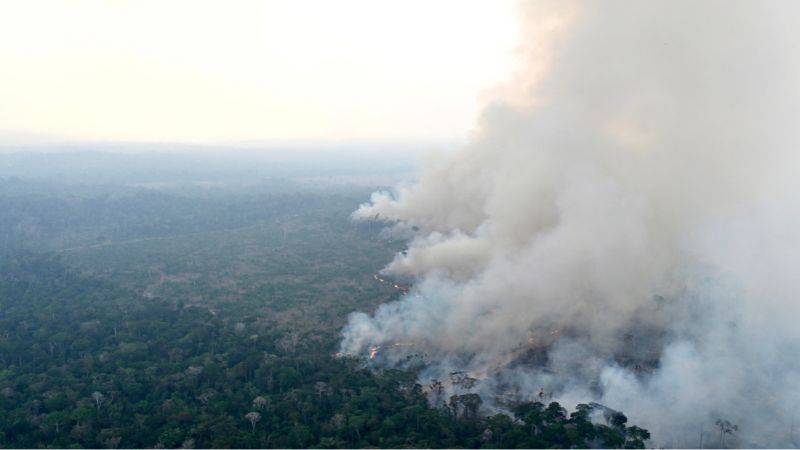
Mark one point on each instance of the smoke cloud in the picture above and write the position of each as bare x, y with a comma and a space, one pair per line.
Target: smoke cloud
623, 227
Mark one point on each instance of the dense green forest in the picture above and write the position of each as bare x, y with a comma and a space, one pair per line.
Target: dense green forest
196, 316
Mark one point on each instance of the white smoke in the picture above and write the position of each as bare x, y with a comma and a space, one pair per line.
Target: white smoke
624, 226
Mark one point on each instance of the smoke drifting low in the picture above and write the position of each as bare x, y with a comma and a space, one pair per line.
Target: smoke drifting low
624, 227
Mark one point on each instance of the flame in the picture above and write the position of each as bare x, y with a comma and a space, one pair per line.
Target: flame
397, 286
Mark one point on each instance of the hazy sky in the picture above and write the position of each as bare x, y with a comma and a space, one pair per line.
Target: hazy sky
215, 71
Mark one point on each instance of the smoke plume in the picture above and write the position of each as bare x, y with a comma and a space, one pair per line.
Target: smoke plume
623, 227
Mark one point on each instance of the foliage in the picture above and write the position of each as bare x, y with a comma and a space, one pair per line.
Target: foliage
148, 332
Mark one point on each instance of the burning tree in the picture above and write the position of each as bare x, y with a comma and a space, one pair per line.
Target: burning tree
465, 406
725, 428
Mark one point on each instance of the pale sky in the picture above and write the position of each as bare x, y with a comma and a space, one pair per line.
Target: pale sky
223, 71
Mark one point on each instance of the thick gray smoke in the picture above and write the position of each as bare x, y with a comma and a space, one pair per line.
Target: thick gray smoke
624, 226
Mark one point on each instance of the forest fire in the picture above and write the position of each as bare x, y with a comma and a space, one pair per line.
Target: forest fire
375, 349
398, 286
